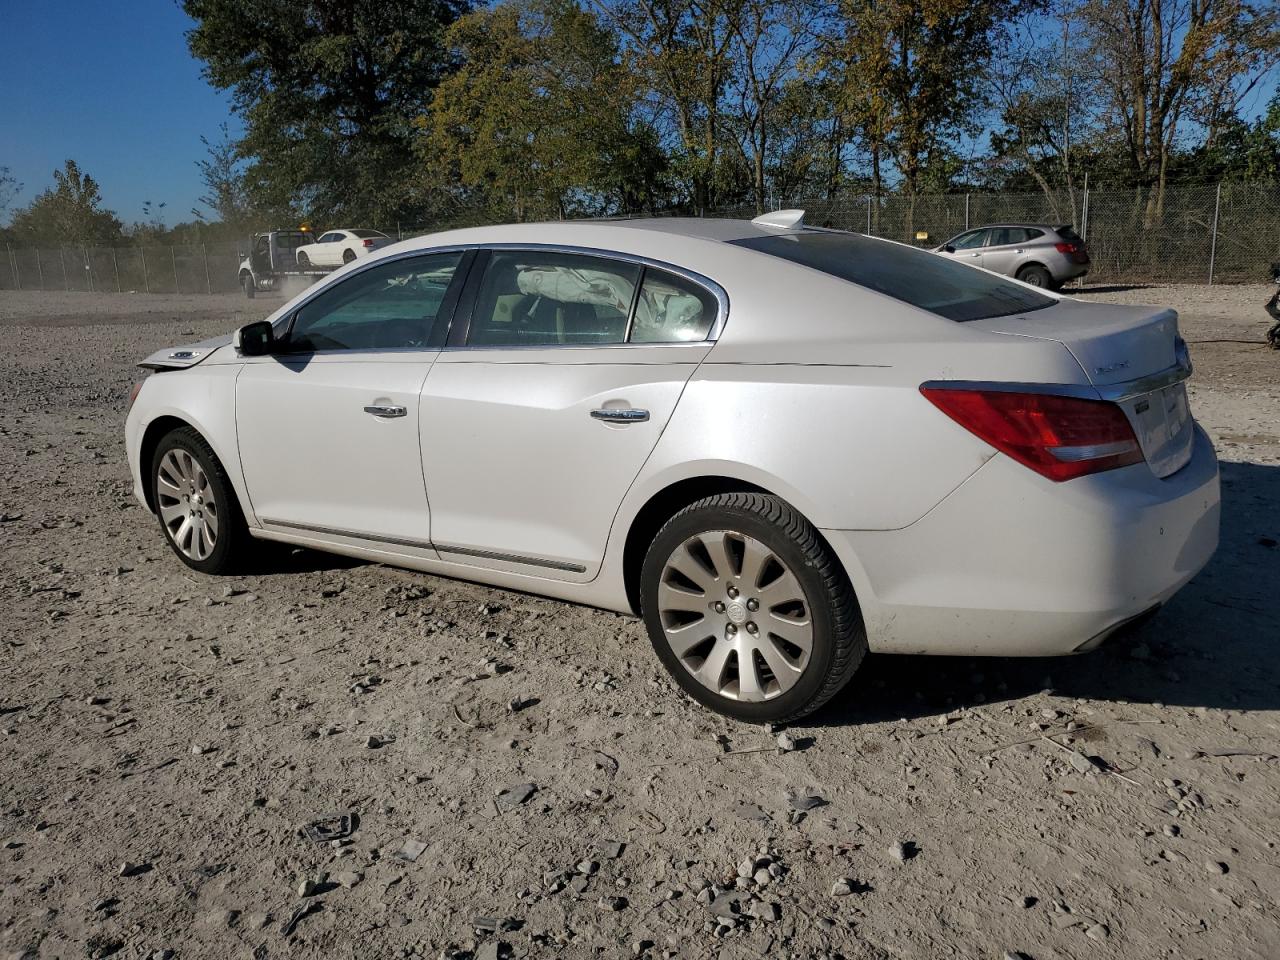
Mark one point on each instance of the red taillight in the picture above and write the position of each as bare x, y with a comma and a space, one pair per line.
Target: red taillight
368, 243
1075, 251
1058, 437
133, 394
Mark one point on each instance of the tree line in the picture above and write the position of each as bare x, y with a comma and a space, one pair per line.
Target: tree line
363, 112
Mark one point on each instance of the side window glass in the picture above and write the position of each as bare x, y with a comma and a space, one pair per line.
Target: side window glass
1033, 234
968, 241
393, 306
543, 298
1001, 236
671, 309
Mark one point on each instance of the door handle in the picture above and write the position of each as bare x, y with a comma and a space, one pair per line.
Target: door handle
617, 415
385, 410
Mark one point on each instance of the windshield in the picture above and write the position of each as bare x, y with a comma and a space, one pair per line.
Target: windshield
918, 277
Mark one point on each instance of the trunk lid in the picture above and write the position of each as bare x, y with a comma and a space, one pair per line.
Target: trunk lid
1134, 357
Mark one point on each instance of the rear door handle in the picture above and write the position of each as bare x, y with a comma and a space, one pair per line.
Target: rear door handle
616, 415
385, 410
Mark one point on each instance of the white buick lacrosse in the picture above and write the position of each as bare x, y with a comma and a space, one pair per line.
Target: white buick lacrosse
780, 446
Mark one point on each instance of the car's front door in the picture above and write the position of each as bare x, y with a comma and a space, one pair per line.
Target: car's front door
562, 372
967, 248
328, 426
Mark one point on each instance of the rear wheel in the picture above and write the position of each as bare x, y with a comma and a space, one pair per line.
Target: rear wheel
348, 256
1035, 275
749, 610
196, 504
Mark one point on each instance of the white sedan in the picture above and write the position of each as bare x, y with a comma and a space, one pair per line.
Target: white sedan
780, 446
336, 247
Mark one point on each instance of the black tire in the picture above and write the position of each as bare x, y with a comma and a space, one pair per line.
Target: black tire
231, 545
1035, 275
348, 256
839, 640
303, 260
247, 284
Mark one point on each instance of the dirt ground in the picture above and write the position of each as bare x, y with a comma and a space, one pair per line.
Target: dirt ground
164, 735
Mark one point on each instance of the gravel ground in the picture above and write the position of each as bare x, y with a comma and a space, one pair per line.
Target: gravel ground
165, 735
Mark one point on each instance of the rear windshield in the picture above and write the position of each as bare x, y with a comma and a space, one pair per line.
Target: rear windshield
1068, 234
922, 279
362, 234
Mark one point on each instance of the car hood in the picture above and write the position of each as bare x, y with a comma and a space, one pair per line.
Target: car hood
179, 358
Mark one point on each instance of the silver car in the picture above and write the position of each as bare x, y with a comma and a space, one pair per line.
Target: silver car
1035, 253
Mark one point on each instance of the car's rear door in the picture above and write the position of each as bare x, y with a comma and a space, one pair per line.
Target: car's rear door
1004, 249
561, 374
328, 427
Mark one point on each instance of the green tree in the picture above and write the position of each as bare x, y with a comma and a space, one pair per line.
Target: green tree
682, 52
225, 199
68, 212
9, 188
537, 122
913, 71
329, 91
1164, 63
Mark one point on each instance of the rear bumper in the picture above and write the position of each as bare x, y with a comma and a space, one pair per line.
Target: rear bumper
1012, 564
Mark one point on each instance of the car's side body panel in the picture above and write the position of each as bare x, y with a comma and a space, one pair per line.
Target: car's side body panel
518, 466
316, 456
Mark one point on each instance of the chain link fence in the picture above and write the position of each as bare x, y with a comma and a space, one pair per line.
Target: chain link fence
188, 268
1220, 233
1223, 233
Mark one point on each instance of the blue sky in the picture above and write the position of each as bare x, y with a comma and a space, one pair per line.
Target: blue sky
109, 84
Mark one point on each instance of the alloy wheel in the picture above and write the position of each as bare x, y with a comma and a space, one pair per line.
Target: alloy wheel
188, 508
735, 615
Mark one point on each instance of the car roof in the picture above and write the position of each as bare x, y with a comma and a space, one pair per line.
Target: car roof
1012, 223
626, 233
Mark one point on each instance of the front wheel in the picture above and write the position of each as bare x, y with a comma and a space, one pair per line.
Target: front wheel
748, 609
303, 260
247, 284
196, 504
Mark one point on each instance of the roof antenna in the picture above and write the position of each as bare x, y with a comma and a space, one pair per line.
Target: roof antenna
781, 219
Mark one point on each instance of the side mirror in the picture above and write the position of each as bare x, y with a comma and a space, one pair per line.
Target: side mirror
948, 249
256, 339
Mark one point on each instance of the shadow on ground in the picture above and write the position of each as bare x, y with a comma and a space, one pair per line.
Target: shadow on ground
1104, 288
1216, 644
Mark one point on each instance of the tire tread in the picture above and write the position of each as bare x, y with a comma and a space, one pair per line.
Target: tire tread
848, 632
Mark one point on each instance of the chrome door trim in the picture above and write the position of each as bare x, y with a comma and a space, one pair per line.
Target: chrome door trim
351, 534
428, 545
386, 411
510, 558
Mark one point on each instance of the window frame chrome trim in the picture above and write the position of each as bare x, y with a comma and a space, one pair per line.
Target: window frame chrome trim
711, 287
